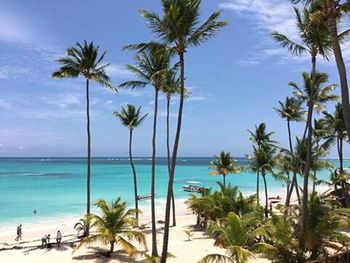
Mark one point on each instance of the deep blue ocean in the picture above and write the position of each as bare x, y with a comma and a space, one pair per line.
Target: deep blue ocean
57, 186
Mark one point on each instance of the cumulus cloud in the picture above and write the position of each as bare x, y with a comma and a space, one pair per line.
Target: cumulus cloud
269, 16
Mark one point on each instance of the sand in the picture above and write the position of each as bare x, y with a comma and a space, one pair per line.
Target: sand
29, 250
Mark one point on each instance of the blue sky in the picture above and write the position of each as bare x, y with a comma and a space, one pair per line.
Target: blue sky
236, 78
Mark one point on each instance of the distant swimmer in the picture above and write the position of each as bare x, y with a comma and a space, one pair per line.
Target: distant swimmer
34, 212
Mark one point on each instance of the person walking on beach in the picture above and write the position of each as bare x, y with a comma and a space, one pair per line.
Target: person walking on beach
58, 237
19, 233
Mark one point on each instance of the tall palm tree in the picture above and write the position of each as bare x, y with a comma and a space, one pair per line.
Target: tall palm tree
336, 125
315, 95
179, 28
171, 87
291, 110
315, 41
329, 13
259, 138
224, 165
265, 159
131, 118
151, 67
113, 227
84, 60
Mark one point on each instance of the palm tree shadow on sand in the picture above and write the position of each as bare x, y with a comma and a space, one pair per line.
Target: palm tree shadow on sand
102, 256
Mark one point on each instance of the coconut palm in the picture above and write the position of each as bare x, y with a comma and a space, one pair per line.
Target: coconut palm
171, 87
215, 205
131, 118
259, 138
113, 227
82, 226
236, 234
322, 226
265, 159
84, 60
315, 95
315, 41
279, 231
291, 110
179, 28
152, 65
224, 164
329, 13
336, 125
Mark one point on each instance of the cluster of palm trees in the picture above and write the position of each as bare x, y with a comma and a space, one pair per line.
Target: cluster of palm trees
159, 64
238, 225
317, 23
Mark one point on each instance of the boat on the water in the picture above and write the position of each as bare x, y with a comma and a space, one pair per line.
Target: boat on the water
144, 197
193, 188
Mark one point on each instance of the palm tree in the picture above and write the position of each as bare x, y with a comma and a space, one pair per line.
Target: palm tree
336, 125
315, 41
152, 64
131, 118
171, 87
291, 110
84, 60
179, 28
224, 165
236, 234
265, 159
259, 138
315, 95
113, 227
279, 231
328, 13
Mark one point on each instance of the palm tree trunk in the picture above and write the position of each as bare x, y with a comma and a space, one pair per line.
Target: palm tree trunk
304, 212
344, 183
293, 184
135, 177
153, 179
290, 137
111, 249
332, 28
168, 151
266, 196
173, 160
224, 181
257, 186
88, 175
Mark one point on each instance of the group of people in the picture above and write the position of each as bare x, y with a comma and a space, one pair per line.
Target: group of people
45, 240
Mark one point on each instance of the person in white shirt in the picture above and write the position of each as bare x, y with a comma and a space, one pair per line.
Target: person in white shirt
58, 237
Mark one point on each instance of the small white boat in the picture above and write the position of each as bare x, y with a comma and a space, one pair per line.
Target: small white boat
193, 188
144, 197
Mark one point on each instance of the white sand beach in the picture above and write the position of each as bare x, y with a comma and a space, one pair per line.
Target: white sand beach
29, 251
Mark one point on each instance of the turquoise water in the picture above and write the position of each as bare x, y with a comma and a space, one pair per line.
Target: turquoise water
57, 186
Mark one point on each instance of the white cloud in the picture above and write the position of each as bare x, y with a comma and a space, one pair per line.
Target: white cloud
10, 72
118, 71
269, 16
13, 28
63, 100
